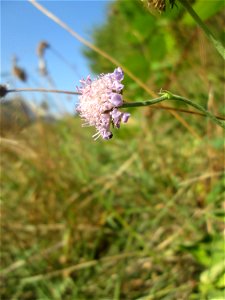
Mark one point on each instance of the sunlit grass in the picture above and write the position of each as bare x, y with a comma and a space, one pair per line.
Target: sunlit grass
106, 220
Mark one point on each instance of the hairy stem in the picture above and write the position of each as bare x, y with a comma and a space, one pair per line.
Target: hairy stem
170, 96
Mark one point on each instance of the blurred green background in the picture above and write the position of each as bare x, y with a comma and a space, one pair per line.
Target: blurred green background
140, 216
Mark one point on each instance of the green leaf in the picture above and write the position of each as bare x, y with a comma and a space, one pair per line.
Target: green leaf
221, 281
212, 274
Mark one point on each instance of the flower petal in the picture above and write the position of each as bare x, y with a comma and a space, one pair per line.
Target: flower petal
116, 99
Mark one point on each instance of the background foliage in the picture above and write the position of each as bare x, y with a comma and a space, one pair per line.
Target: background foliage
142, 215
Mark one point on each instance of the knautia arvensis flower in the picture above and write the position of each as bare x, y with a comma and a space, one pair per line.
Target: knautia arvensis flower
99, 101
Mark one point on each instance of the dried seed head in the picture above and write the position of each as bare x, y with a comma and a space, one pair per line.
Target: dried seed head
3, 90
42, 46
159, 5
17, 71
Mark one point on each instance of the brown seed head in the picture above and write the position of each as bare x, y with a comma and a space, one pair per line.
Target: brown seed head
17, 71
42, 46
159, 5
3, 90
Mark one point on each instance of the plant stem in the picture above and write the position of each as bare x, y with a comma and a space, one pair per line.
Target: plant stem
42, 90
217, 44
169, 96
199, 107
165, 96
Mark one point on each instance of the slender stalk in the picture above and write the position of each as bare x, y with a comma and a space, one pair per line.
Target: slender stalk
184, 111
217, 44
145, 103
131, 104
42, 90
173, 97
198, 107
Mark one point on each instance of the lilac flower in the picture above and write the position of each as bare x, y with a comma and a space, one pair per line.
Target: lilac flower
99, 102
116, 99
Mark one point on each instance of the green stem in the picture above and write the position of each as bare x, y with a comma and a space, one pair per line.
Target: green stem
217, 44
170, 96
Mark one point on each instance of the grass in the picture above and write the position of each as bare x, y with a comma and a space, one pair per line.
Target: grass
136, 217
139, 217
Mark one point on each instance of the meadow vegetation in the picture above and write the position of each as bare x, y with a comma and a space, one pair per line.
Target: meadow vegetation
139, 217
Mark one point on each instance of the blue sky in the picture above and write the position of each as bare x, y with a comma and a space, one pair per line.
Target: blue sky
23, 27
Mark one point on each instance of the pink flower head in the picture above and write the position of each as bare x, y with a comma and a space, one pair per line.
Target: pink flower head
99, 102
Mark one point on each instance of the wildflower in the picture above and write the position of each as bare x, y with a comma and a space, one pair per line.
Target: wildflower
99, 102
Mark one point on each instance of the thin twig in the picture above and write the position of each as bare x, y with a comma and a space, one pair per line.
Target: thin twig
184, 111
42, 90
